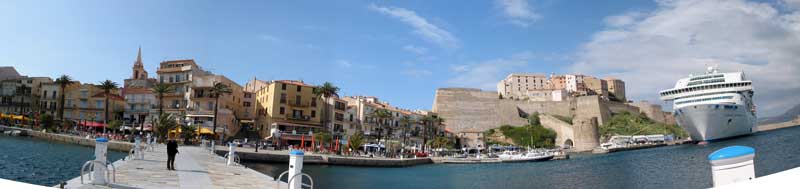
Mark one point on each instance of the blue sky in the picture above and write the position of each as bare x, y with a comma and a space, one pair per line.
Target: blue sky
401, 51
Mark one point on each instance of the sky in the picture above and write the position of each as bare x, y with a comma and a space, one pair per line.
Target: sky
402, 51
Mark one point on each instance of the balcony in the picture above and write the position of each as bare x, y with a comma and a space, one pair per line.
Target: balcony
299, 117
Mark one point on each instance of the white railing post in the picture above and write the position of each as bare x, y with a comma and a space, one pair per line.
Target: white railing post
231, 154
100, 150
295, 168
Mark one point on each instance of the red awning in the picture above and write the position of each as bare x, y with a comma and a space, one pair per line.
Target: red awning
92, 124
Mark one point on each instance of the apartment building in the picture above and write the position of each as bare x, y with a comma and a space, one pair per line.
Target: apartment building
86, 102
596, 86
616, 89
518, 84
290, 110
21, 95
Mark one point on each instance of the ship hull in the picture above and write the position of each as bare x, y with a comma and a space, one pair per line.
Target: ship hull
708, 122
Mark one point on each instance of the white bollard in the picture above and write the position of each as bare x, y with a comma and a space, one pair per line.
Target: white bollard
137, 149
732, 164
295, 168
231, 153
213, 147
100, 149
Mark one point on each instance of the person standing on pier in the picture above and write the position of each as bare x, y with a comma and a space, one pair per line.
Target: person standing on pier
172, 149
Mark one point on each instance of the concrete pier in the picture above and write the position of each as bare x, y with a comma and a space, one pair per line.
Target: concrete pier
270, 156
196, 168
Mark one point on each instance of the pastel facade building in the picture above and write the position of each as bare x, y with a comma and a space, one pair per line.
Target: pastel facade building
290, 110
596, 86
139, 98
518, 84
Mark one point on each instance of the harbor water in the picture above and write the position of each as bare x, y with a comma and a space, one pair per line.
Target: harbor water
43, 162
683, 166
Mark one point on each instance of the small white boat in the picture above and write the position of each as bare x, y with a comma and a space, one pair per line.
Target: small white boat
511, 156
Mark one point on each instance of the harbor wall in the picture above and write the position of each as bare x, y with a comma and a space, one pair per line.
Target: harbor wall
112, 145
268, 157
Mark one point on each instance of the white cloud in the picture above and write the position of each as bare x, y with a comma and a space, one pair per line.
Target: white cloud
623, 19
518, 12
485, 75
682, 37
415, 49
343, 63
792, 4
421, 26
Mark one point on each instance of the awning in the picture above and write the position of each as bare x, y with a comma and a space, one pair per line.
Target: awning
204, 131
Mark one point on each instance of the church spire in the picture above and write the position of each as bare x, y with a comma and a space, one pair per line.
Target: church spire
138, 62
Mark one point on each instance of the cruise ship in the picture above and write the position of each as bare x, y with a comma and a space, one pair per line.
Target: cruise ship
713, 105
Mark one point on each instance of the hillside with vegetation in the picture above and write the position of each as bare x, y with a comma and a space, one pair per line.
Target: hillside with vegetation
533, 134
626, 123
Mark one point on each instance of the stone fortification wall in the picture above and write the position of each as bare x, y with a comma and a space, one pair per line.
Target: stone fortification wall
563, 129
618, 107
654, 112
473, 109
592, 106
586, 134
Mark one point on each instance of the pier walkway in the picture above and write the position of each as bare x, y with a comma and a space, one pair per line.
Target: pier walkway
195, 168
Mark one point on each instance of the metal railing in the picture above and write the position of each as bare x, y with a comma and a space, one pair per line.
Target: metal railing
235, 158
288, 184
110, 175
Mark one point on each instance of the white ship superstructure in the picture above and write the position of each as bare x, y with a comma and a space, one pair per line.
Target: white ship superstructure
713, 105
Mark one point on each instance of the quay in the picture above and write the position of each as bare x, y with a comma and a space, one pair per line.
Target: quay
273, 156
71, 139
196, 168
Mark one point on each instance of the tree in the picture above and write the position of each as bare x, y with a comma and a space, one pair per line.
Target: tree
218, 90
441, 142
428, 124
382, 115
356, 140
188, 132
107, 86
322, 138
405, 122
114, 125
325, 91
62, 82
164, 124
533, 119
160, 89
47, 121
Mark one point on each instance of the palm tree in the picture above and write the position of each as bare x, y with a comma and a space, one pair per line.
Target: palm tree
218, 90
381, 115
107, 86
405, 121
159, 89
62, 82
428, 122
325, 91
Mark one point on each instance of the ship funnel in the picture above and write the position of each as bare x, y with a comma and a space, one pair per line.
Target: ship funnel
732, 164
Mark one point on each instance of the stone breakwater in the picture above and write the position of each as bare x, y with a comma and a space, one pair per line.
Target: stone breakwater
112, 145
276, 157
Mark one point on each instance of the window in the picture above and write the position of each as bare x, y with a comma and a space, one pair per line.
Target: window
339, 106
339, 117
246, 104
297, 100
210, 105
299, 88
161, 79
54, 94
171, 79
282, 111
283, 98
283, 86
84, 104
313, 113
68, 114
69, 103
98, 103
314, 102
45, 93
351, 117
297, 113
178, 78
84, 94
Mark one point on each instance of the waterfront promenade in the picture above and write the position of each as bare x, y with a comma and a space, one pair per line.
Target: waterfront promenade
196, 168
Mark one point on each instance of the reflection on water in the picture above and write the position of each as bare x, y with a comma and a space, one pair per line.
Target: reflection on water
43, 162
683, 166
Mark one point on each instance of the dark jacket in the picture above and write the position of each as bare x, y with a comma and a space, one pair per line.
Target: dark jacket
172, 147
